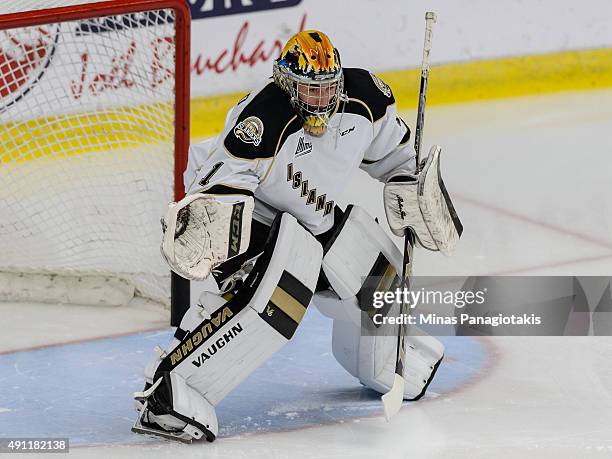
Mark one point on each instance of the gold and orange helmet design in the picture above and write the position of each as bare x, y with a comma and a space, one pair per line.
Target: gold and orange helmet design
309, 71
311, 54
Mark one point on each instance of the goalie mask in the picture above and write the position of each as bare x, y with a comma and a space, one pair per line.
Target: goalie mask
309, 71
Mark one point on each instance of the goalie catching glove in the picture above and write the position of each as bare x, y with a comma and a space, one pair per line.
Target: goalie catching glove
421, 203
202, 231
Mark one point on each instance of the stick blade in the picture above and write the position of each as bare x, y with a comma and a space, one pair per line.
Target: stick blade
392, 400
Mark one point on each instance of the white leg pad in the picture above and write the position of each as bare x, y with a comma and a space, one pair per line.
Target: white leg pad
222, 342
345, 266
371, 359
328, 303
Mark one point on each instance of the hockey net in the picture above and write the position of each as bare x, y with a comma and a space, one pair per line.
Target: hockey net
93, 136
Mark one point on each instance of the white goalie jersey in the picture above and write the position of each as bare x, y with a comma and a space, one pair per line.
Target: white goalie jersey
264, 151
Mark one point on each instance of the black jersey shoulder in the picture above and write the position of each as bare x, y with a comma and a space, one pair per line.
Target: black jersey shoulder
263, 125
370, 90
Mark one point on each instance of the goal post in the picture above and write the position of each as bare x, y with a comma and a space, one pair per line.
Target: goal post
94, 132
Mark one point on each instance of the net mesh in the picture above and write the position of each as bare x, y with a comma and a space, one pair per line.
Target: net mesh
87, 133
22, 6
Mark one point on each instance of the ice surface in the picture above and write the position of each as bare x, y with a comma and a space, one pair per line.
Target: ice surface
530, 179
81, 385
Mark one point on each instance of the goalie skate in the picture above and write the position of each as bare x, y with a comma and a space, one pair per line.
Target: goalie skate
174, 415
145, 427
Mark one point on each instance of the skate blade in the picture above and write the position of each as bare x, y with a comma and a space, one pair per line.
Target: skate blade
178, 436
142, 429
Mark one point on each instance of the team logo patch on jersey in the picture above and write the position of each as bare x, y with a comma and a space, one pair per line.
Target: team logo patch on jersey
380, 84
303, 148
250, 130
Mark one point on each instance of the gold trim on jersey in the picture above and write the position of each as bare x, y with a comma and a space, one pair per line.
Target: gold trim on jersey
278, 146
369, 111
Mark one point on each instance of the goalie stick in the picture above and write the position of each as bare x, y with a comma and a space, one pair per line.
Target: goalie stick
392, 400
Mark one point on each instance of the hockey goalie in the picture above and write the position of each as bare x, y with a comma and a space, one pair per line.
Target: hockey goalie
259, 217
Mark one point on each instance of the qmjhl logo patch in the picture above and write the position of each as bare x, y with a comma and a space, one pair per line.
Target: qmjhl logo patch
303, 148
